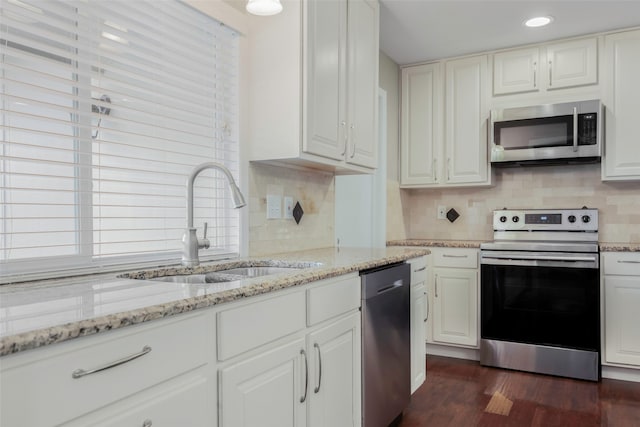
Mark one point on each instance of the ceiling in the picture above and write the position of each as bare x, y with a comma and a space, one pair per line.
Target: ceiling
421, 30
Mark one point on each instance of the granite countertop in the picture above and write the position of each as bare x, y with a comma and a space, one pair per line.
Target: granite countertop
619, 247
604, 246
35, 314
437, 243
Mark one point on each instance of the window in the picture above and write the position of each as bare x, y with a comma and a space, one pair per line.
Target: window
106, 108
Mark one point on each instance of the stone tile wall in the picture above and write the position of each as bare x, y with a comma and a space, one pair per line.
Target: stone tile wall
532, 187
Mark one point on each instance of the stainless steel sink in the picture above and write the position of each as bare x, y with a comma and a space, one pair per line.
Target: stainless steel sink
241, 271
258, 271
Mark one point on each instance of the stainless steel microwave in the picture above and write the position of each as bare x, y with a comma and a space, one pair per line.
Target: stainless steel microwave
555, 133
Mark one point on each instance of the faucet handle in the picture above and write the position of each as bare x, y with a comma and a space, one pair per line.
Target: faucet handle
206, 225
204, 242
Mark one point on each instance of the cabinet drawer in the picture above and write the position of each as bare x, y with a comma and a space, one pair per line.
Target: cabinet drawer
418, 270
46, 382
625, 263
184, 403
332, 298
251, 325
455, 257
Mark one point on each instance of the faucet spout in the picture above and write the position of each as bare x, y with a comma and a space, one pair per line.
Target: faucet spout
190, 241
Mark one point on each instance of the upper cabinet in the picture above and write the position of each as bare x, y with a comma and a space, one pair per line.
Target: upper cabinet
315, 104
621, 160
546, 67
444, 124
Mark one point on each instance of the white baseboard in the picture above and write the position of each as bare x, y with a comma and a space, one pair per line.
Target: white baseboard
455, 352
624, 374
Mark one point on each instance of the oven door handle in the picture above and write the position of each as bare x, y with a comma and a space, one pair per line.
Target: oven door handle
541, 260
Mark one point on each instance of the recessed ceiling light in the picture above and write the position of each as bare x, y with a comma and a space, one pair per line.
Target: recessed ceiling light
538, 21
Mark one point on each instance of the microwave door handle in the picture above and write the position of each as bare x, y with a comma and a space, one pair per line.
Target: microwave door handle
575, 129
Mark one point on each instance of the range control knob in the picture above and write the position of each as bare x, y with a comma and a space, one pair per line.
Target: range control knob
572, 218
515, 218
503, 218
586, 218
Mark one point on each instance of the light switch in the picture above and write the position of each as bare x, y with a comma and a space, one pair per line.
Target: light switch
274, 206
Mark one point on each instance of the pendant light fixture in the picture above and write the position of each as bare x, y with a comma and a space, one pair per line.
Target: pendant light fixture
264, 7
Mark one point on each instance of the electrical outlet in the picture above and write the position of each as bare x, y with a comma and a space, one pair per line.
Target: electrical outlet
274, 206
442, 212
288, 207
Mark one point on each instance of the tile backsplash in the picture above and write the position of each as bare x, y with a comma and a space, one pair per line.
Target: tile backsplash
532, 187
314, 190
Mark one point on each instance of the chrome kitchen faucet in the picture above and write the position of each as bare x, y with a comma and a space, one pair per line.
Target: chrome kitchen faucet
191, 243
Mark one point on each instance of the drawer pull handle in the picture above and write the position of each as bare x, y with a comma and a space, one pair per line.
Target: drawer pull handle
306, 376
454, 256
147, 423
79, 373
420, 269
628, 261
317, 388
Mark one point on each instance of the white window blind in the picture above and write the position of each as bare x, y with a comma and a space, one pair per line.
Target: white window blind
106, 108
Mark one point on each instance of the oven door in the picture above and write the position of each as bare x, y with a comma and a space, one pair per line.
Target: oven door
541, 298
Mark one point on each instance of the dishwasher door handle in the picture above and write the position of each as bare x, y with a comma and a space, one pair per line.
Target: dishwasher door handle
397, 284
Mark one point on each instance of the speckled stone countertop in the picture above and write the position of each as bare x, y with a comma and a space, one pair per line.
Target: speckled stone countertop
619, 247
35, 314
437, 243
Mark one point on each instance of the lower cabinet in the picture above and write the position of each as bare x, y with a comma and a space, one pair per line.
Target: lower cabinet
622, 300
160, 372
309, 378
455, 296
418, 321
267, 390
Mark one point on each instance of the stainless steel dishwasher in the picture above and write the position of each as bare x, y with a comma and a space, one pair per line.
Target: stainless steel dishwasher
386, 341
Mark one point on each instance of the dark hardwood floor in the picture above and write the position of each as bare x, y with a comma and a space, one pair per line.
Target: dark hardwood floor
463, 393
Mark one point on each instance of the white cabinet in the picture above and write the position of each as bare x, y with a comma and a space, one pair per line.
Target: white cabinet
621, 159
334, 374
418, 321
163, 362
572, 63
266, 390
516, 71
315, 104
421, 115
455, 296
450, 149
305, 374
546, 67
621, 303
466, 121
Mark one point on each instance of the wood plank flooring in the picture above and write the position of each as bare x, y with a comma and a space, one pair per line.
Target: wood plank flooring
462, 393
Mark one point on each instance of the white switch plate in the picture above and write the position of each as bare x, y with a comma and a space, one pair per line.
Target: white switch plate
442, 212
288, 207
274, 206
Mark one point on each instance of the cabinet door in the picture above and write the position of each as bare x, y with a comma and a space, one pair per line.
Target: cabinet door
334, 384
455, 307
362, 102
418, 350
266, 390
622, 100
573, 63
515, 71
622, 334
326, 56
421, 124
466, 121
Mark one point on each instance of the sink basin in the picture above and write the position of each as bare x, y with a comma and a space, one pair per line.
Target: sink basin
197, 278
257, 271
241, 271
